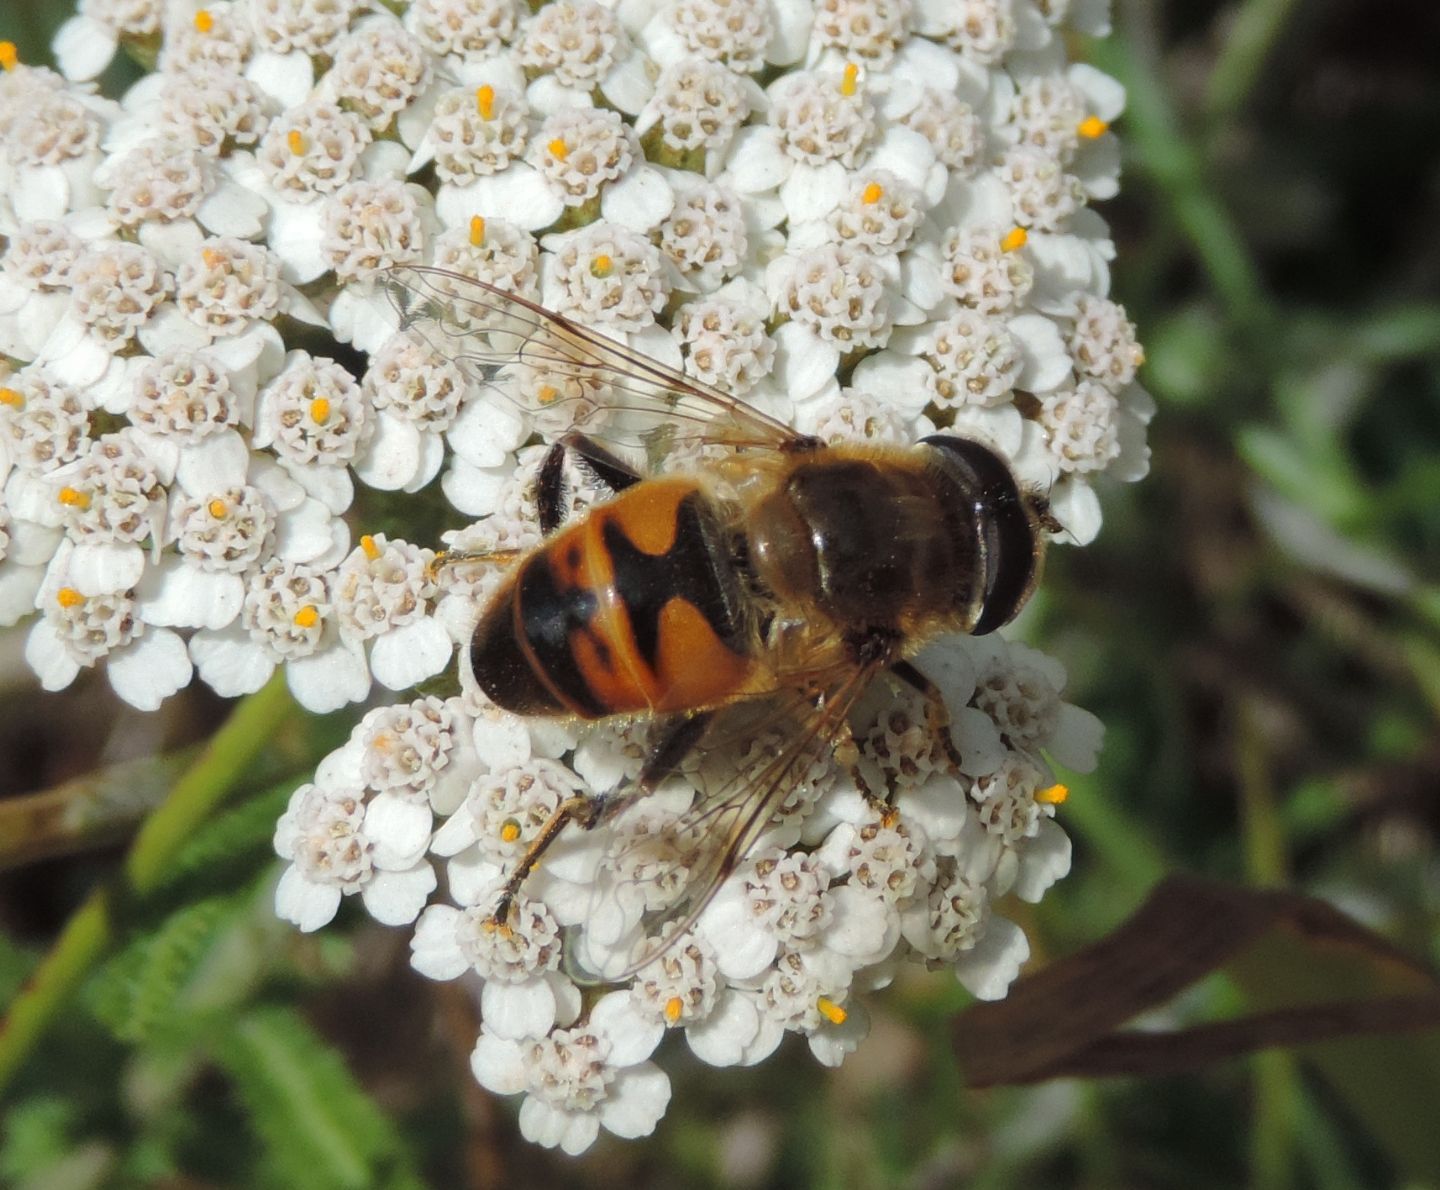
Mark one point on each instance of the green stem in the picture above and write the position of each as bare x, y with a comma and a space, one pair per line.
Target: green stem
1253, 33
91, 930
1179, 171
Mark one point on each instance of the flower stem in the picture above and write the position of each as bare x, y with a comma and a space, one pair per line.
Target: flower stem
92, 929
1252, 35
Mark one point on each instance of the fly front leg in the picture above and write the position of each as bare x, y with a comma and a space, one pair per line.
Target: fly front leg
937, 716
612, 471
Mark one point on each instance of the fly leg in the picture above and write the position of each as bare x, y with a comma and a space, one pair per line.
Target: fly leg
614, 472
937, 717
677, 740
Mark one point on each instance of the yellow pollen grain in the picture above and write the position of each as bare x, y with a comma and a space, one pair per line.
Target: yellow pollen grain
212, 259
509, 831
9, 55
73, 498
872, 194
296, 141
204, 21
320, 410
307, 617
8, 396
601, 266
831, 1011
1091, 127
673, 1008
558, 148
485, 101
850, 80
1053, 795
547, 394
367, 543
477, 231
218, 508
69, 597
1014, 239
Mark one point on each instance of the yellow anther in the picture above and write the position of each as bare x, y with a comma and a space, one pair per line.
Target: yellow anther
831, 1011
218, 508
673, 1008
204, 21
485, 101
367, 543
69, 597
872, 194
1052, 795
296, 140
1091, 127
74, 498
320, 410
1014, 239
601, 266
477, 231
850, 80
307, 617
9, 396
558, 148
547, 394
9, 55
509, 831
212, 258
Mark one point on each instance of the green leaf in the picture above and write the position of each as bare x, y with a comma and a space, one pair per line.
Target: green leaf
243, 830
36, 1134
319, 1128
140, 989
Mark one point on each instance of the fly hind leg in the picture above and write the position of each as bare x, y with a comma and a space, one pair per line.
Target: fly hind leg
612, 471
677, 739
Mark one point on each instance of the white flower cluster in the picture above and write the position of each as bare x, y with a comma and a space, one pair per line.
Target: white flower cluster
904, 204
835, 896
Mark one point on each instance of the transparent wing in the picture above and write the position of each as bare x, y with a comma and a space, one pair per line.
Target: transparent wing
551, 367
661, 871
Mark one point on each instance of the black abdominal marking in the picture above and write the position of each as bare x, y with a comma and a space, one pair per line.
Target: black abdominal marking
694, 569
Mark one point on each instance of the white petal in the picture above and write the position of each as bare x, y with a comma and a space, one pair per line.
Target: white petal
83, 47
1046, 362
638, 1098
284, 77
518, 195
327, 680
434, 950
990, 967
720, 1039
396, 898
1074, 504
406, 656
152, 669
803, 361
640, 200
518, 1010
485, 432
757, 161
230, 663
304, 903
632, 1034
498, 1064
399, 828
105, 569
392, 456
1043, 860
812, 191
47, 656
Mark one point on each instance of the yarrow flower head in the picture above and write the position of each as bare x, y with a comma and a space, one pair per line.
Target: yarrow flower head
869, 219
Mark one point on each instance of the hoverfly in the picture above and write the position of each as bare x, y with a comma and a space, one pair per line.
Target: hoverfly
769, 583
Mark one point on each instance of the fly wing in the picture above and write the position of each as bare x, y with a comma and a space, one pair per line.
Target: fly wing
758, 760
548, 365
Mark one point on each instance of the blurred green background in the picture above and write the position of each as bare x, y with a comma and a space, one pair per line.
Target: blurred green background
1258, 626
